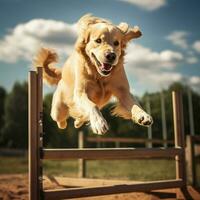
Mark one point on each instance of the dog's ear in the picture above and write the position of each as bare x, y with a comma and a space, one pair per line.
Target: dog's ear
129, 33
82, 41
83, 32
123, 27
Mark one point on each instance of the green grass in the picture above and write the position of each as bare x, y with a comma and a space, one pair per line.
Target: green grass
135, 169
65, 168
141, 170
124, 169
132, 169
13, 165
198, 170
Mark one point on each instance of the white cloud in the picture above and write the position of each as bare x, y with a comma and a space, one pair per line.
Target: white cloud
150, 69
152, 80
178, 38
196, 46
192, 60
24, 40
157, 79
194, 80
144, 57
149, 5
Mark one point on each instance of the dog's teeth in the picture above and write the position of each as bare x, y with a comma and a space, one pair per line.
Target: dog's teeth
105, 70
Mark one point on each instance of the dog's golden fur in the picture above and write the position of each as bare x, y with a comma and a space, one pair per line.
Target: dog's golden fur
89, 79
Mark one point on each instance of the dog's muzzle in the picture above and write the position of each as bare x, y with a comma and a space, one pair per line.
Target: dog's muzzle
103, 68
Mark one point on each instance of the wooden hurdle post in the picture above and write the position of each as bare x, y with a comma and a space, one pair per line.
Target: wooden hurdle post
179, 143
35, 134
179, 134
190, 160
191, 141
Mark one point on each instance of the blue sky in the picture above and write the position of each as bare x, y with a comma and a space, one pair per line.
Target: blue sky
168, 51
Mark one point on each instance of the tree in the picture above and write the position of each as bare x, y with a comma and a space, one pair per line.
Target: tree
2, 105
14, 117
15, 129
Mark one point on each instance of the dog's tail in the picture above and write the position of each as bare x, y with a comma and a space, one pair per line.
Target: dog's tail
45, 58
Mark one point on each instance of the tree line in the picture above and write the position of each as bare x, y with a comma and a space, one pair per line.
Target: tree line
14, 119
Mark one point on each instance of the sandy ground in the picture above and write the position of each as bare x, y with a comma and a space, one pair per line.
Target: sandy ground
15, 187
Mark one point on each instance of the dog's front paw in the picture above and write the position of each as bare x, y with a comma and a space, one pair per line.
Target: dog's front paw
144, 119
98, 123
141, 117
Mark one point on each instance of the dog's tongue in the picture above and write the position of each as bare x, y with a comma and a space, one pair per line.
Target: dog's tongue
107, 66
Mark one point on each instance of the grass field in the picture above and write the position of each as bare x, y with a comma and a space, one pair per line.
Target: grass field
135, 170
141, 170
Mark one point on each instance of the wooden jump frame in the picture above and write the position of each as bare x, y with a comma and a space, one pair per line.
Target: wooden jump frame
37, 153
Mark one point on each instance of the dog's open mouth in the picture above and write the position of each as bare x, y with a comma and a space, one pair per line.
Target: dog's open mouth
103, 68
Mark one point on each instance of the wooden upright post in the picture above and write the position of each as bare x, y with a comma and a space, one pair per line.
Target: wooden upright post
34, 188
179, 134
40, 127
190, 109
82, 162
179, 143
190, 159
35, 134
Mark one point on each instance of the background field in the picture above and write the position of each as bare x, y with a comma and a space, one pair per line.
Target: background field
137, 170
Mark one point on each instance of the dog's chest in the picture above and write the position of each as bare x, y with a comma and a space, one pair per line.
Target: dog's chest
98, 92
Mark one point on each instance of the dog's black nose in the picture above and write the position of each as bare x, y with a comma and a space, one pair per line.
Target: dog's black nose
110, 56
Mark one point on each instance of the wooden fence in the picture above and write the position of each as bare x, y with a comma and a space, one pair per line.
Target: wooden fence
117, 141
37, 153
120, 140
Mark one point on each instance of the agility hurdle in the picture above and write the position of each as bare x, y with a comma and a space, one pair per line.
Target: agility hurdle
37, 153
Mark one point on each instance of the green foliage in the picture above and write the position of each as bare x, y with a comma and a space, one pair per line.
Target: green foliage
14, 119
143, 170
2, 105
15, 129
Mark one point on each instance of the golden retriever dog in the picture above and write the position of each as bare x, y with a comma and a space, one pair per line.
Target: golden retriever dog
92, 74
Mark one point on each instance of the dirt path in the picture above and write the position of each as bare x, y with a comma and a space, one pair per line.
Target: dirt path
15, 187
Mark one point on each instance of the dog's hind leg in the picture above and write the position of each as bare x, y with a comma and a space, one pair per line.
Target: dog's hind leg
78, 123
59, 110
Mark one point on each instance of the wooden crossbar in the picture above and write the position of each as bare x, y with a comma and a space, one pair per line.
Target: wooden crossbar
110, 153
114, 189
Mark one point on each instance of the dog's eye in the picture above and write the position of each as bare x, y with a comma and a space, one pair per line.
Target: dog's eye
98, 40
116, 43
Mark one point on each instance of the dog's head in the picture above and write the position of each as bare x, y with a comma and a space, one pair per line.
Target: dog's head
104, 42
